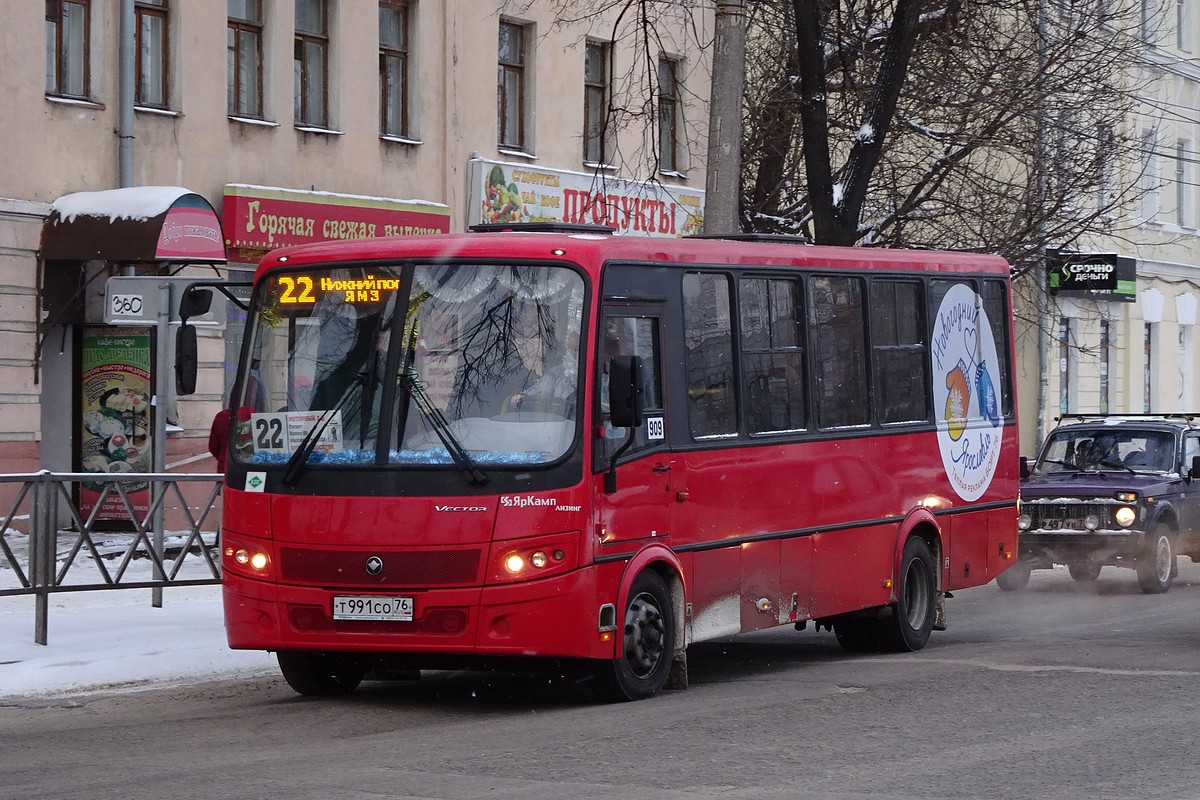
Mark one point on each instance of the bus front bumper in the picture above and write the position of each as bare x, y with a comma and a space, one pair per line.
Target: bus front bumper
552, 618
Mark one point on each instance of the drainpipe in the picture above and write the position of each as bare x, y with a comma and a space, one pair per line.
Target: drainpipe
128, 62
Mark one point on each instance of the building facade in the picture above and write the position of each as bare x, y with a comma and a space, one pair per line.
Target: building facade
287, 121
1118, 331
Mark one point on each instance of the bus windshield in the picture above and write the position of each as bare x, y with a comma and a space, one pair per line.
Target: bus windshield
412, 365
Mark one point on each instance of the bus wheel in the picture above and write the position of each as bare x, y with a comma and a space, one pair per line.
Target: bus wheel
911, 622
1157, 564
643, 665
318, 674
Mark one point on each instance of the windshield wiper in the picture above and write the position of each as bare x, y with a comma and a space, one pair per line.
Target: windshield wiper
411, 383
1116, 465
309, 443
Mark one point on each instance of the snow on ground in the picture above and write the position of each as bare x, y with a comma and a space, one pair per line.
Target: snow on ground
114, 639
110, 639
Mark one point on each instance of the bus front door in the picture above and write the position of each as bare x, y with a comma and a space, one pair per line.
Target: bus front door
639, 509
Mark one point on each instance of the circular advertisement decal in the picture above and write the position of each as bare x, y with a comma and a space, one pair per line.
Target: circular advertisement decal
965, 404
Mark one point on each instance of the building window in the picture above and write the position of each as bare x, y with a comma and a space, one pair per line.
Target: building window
1187, 377
151, 27
67, 48
1148, 368
311, 62
510, 93
1105, 364
668, 115
595, 101
1064, 365
1149, 182
1184, 207
393, 68
245, 47
1183, 24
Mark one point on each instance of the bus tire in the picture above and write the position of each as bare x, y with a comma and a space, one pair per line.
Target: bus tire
643, 662
1158, 565
320, 674
911, 622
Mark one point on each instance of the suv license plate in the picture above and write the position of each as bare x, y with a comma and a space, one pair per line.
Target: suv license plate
392, 609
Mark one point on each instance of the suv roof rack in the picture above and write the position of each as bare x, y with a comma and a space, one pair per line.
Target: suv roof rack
1184, 415
774, 238
540, 227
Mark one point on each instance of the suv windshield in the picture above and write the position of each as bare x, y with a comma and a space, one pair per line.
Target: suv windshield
412, 365
1108, 448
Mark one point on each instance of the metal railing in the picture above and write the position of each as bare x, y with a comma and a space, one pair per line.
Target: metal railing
168, 534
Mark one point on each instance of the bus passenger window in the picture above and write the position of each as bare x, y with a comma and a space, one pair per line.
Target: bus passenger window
708, 355
837, 323
770, 319
995, 305
898, 339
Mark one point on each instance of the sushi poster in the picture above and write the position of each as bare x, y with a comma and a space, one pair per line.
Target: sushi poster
115, 391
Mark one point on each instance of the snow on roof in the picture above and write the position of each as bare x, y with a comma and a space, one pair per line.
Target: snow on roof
301, 193
135, 203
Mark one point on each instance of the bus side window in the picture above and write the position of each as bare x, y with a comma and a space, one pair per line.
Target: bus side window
898, 339
995, 305
771, 321
837, 324
708, 356
630, 336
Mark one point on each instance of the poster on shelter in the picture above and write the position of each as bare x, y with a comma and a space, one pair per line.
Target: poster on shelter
116, 421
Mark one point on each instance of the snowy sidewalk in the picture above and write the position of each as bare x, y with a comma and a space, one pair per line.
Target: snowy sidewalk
114, 639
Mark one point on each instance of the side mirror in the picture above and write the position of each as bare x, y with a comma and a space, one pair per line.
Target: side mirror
1024, 467
195, 302
186, 360
626, 391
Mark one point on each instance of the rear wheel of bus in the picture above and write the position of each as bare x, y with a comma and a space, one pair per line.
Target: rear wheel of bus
643, 661
318, 674
912, 617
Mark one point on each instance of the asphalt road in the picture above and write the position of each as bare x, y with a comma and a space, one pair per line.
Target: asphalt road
1062, 691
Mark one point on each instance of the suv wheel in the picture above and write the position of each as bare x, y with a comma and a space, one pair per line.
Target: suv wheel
1015, 578
1157, 565
1085, 571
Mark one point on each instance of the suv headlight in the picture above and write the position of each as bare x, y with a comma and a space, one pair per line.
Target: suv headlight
1125, 516
1024, 522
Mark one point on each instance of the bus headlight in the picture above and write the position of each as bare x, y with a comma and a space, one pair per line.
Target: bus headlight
1125, 516
1024, 522
246, 558
539, 558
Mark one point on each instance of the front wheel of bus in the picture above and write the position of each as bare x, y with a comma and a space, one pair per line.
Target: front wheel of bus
912, 617
319, 674
643, 664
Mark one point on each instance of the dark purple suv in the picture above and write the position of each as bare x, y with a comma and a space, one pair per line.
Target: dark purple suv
1119, 491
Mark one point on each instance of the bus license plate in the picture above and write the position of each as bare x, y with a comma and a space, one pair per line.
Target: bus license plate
391, 609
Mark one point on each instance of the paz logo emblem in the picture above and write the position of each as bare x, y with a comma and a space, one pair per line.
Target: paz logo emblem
374, 565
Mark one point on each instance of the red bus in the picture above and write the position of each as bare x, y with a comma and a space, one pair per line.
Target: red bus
476, 449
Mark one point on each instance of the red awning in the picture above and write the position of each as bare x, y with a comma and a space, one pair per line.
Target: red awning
137, 224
